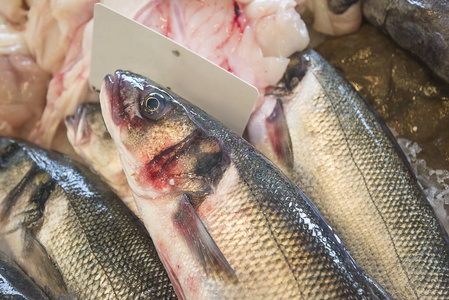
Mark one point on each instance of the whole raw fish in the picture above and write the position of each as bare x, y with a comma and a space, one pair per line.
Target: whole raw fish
338, 151
70, 233
227, 223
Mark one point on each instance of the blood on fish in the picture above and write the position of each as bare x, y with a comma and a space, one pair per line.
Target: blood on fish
161, 249
190, 281
150, 176
162, 10
163, 254
160, 170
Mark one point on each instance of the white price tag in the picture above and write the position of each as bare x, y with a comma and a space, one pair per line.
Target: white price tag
122, 43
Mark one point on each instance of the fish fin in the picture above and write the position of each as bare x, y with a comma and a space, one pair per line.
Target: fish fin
200, 242
279, 136
40, 267
173, 278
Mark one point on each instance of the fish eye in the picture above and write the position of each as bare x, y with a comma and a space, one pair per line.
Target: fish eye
153, 105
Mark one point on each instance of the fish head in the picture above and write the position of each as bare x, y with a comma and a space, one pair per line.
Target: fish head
161, 147
87, 133
91, 140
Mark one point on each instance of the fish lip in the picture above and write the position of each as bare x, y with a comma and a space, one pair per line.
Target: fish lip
113, 82
112, 85
109, 82
78, 124
73, 121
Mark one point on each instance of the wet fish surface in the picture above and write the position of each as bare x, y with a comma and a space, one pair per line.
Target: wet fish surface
15, 284
420, 26
343, 157
389, 77
227, 223
70, 233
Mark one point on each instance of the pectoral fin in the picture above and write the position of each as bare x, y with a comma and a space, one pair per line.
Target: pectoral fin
279, 135
38, 264
200, 242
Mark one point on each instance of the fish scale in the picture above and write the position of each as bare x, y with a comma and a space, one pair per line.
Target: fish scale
309, 263
248, 245
80, 266
347, 163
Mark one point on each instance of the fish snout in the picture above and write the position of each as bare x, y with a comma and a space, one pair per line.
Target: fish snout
72, 121
110, 97
109, 81
77, 125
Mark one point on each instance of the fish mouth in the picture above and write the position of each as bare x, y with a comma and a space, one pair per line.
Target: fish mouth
77, 126
75, 119
111, 87
110, 81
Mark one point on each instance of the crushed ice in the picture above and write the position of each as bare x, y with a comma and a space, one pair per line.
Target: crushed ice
434, 183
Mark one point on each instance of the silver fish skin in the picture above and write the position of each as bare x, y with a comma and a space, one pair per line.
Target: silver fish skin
388, 77
90, 139
227, 223
70, 233
420, 26
15, 284
327, 138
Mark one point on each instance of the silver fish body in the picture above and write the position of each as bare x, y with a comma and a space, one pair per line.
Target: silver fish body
227, 223
73, 236
339, 152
